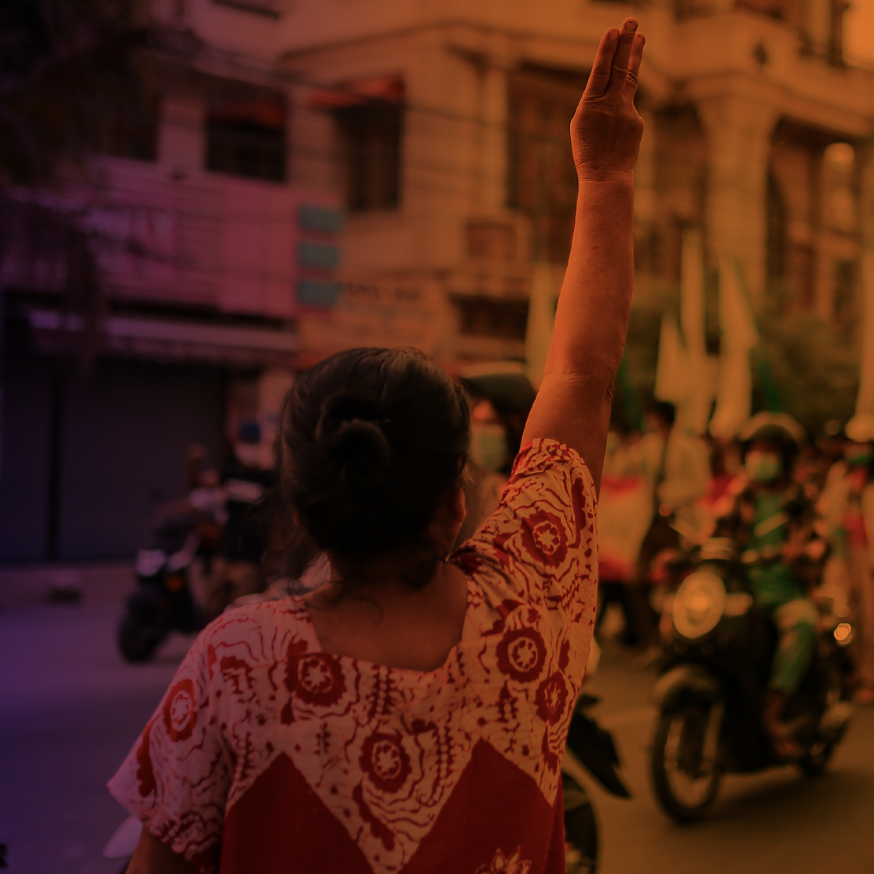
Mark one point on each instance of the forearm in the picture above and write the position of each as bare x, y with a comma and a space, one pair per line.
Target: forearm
573, 404
591, 320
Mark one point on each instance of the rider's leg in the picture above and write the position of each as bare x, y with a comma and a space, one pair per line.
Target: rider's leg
796, 623
862, 582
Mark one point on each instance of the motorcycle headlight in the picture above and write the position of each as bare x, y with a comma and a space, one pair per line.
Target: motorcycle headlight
699, 604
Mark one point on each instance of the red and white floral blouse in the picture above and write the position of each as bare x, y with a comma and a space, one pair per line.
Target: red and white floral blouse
268, 755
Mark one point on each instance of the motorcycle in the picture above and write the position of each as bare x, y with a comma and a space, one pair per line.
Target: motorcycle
718, 647
163, 600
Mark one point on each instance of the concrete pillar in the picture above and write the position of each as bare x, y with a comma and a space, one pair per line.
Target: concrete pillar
491, 162
182, 138
739, 135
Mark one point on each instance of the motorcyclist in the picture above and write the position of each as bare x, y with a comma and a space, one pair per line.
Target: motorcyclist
771, 521
238, 570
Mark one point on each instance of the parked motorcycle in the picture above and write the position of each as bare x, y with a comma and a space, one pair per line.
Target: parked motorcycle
163, 601
718, 650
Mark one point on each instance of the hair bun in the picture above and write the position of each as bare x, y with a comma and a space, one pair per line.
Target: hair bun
349, 432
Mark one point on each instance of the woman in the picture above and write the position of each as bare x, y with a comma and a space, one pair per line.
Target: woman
847, 505
411, 714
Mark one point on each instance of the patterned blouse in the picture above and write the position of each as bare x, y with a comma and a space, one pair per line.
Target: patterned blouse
269, 755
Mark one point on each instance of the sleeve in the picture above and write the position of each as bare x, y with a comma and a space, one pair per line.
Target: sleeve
177, 777
542, 537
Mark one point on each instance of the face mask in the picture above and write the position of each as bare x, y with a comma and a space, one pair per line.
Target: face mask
763, 467
248, 454
488, 448
858, 456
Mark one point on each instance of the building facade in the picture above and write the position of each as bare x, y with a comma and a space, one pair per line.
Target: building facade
427, 143
209, 250
450, 125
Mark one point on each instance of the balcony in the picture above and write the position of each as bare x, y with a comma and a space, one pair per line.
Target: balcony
202, 241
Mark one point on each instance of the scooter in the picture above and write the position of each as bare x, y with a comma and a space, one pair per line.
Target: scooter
163, 600
718, 648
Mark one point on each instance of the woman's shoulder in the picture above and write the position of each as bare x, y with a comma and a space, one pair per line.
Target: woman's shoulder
546, 451
538, 547
261, 630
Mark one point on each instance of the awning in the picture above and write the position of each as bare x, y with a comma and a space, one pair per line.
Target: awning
382, 88
174, 340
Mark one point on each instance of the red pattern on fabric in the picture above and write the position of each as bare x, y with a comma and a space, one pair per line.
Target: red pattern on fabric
145, 776
380, 768
521, 654
180, 711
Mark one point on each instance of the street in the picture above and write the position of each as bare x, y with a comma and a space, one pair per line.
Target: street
70, 710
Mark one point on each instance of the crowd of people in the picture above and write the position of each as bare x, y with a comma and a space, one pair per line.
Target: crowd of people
800, 506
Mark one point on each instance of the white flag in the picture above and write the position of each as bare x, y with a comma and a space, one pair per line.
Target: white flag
699, 387
739, 337
672, 368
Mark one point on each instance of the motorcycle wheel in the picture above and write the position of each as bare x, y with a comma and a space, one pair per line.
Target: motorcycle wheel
684, 783
143, 627
817, 757
581, 831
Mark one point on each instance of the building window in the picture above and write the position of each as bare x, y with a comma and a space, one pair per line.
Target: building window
846, 299
839, 173
541, 177
245, 136
370, 135
492, 317
127, 130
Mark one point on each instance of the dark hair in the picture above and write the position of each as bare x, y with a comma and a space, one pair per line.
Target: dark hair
371, 440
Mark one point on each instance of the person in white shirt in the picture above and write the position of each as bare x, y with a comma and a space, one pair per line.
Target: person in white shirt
676, 468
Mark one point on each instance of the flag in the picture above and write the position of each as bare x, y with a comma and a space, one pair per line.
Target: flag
672, 367
739, 337
699, 388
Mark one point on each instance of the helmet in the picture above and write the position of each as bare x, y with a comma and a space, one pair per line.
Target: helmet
860, 429
777, 428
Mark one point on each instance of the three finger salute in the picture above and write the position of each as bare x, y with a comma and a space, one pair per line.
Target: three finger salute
606, 129
617, 63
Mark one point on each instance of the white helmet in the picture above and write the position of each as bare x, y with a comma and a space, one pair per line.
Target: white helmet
860, 428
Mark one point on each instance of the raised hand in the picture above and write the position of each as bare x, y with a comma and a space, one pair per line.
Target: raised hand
606, 128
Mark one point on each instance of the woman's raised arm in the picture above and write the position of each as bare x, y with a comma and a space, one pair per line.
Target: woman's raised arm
573, 404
